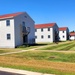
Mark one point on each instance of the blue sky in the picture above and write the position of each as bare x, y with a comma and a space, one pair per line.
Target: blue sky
43, 11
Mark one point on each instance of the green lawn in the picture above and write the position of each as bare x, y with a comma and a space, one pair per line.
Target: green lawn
43, 55
62, 47
24, 47
7, 50
60, 61
41, 61
41, 70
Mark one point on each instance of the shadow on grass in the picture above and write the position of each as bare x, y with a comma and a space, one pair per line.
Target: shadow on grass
37, 44
30, 45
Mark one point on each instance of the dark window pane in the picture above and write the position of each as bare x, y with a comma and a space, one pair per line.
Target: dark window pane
63, 36
48, 29
35, 30
48, 36
23, 23
42, 29
35, 37
42, 36
63, 31
8, 36
8, 22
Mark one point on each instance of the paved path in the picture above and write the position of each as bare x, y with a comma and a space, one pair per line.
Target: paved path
19, 72
8, 73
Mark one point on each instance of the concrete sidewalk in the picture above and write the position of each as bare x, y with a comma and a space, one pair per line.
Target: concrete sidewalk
23, 72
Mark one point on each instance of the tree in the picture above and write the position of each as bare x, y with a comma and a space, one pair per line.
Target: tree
72, 31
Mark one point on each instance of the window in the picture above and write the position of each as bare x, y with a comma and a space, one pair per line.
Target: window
48, 29
8, 22
48, 36
63, 36
63, 31
23, 26
42, 36
35, 30
42, 29
25, 16
35, 37
8, 37
23, 23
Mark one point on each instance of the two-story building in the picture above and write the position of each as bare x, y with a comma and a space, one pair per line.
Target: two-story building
16, 29
72, 35
63, 34
46, 32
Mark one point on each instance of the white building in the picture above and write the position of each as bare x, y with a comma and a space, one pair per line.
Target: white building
46, 32
72, 35
14, 29
63, 34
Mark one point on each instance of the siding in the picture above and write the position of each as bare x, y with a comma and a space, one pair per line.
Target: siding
45, 33
18, 33
4, 30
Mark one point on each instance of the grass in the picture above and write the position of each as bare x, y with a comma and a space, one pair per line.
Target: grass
33, 46
45, 62
49, 56
6, 50
62, 46
43, 70
68, 47
23, 47
60, 61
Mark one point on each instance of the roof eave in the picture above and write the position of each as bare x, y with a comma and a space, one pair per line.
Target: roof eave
6, 18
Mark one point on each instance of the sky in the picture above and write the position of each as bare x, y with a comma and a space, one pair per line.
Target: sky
61, 12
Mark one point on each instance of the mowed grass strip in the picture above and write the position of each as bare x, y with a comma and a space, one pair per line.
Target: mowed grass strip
6, 50
67, 47
26, 47
56, 47
72, 49
47, 69
43, 55
3, 51
45, 62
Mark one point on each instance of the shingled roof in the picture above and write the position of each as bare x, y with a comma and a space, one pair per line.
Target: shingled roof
72, 33
10, 15
44, 25
62, 28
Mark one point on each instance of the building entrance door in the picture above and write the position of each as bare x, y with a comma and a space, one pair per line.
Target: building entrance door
25, 39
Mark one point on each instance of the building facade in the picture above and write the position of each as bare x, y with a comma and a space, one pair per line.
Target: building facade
63, 34
72, 35
46, 33
16, 29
